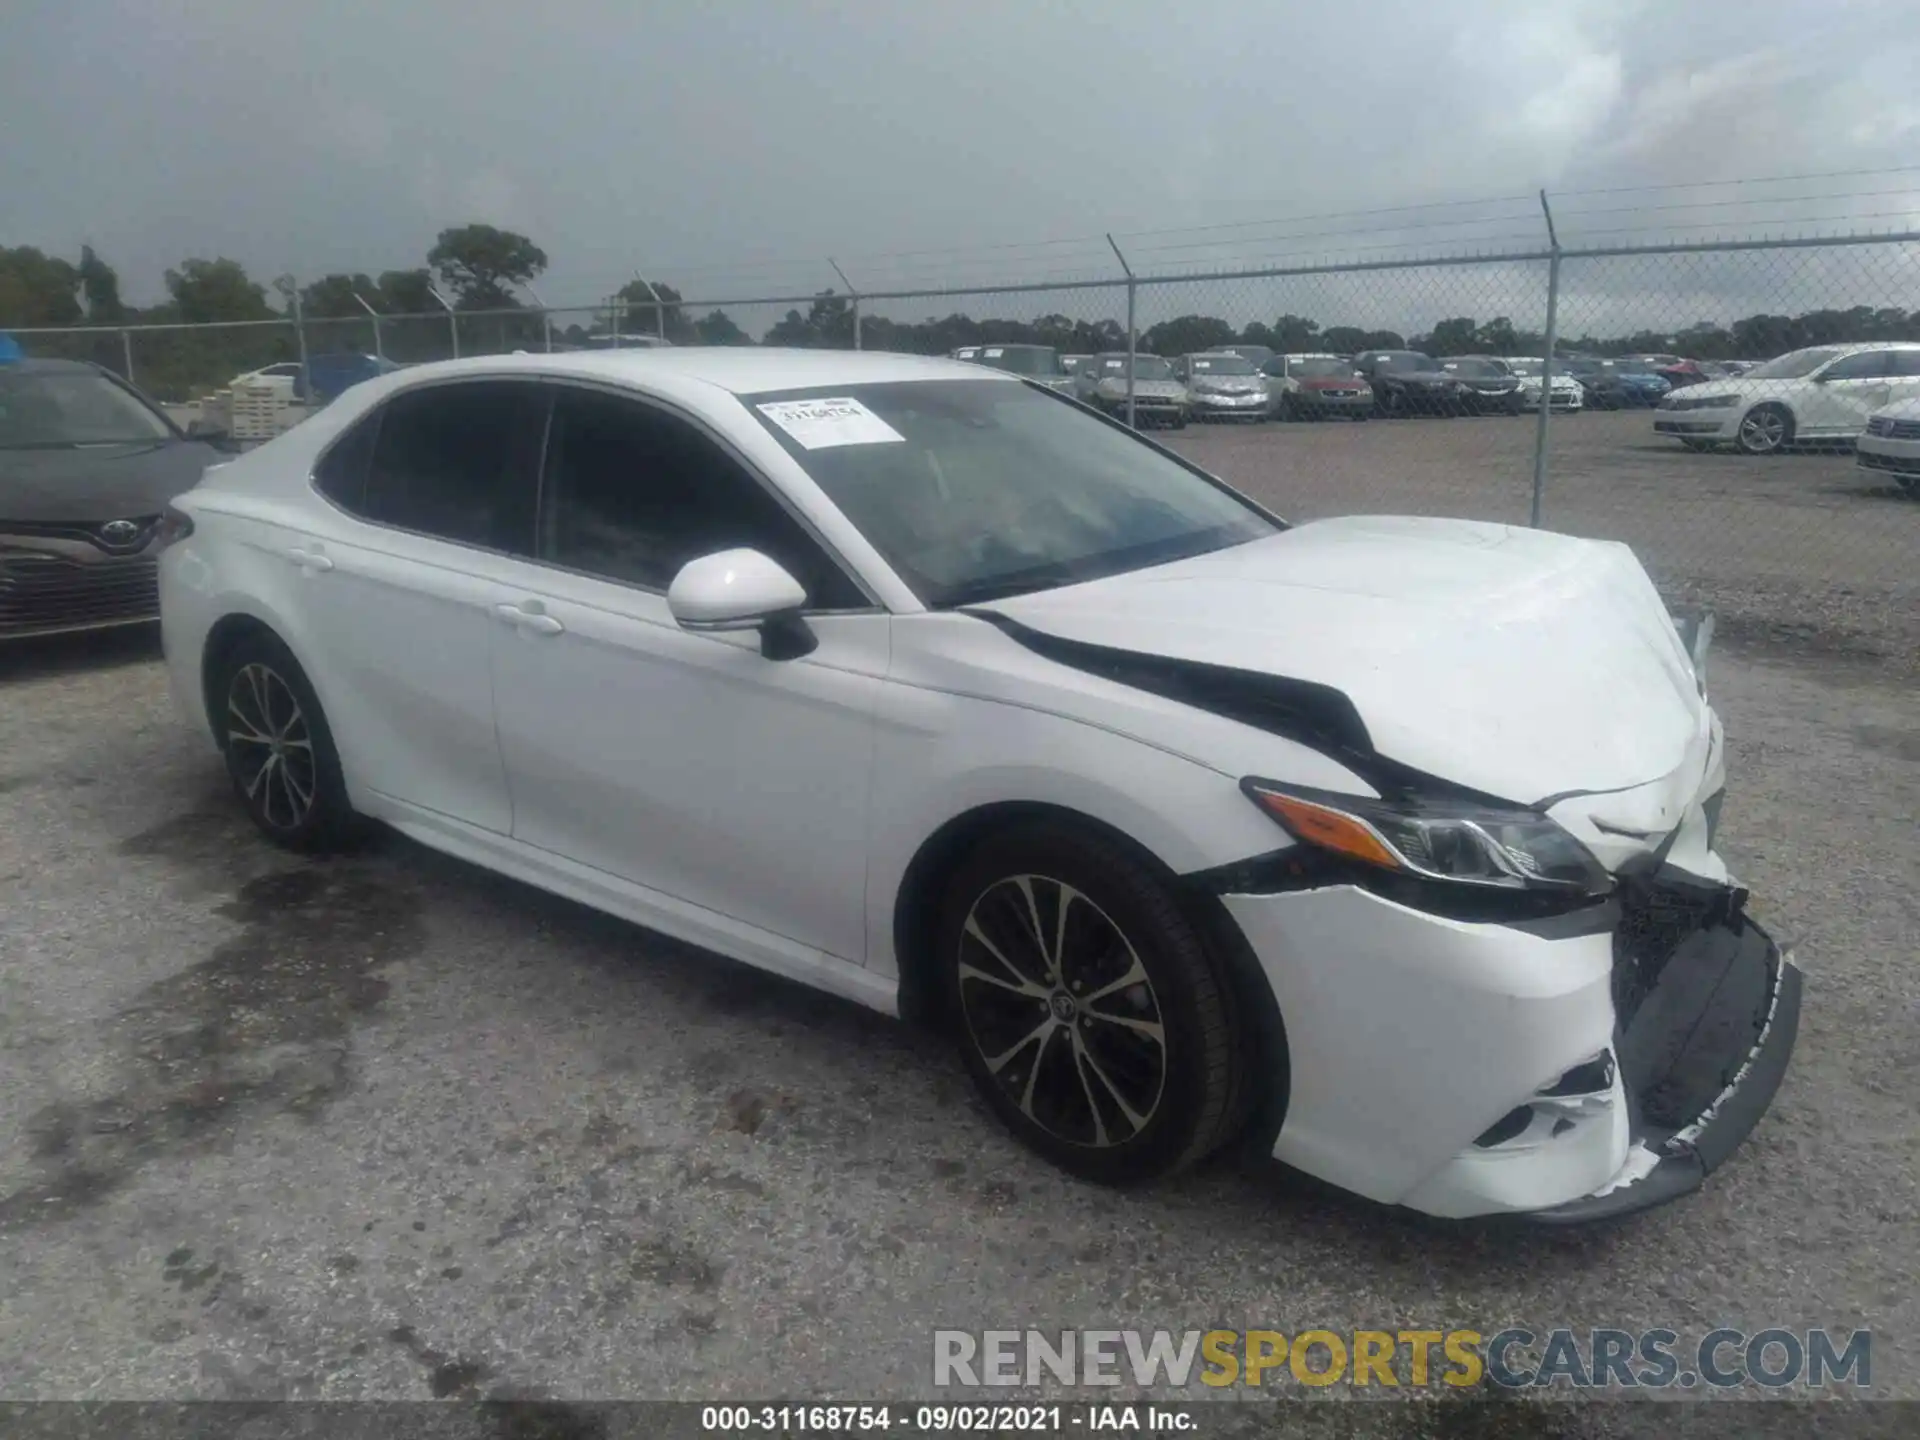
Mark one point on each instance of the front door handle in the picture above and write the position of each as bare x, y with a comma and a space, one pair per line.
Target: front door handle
309, 560
535, 622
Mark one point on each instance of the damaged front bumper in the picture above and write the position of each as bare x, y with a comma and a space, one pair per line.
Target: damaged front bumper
1701, 1051
1565, 1069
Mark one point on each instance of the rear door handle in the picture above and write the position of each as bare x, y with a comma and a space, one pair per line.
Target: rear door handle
535, 622
310, 560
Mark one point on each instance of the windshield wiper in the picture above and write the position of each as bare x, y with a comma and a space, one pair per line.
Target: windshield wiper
1001, 587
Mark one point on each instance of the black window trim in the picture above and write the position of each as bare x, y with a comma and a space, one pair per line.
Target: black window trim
753, 472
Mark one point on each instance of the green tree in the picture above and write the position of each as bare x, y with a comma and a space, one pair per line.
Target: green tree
718, 329
37, 289
206, 291
405, 292
101, 288
481, 264
643, 311
1188, 335
331, 297
1459, 336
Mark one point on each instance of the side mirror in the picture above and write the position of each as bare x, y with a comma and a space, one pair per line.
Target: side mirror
743, 590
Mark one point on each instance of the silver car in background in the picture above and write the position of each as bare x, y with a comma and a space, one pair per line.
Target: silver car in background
1039, 363
1158, 396
1223, 386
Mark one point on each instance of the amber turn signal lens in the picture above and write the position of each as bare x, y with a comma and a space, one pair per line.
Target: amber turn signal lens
1329, 829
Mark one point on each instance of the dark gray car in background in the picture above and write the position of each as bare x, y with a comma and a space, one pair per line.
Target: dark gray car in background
1039, 363
87, 466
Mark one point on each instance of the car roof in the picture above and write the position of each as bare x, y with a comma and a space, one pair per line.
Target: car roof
736, 369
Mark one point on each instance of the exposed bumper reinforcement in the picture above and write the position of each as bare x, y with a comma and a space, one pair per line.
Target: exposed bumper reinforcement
1685, 1157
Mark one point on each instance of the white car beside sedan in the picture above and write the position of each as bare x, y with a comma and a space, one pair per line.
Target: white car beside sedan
1820, 394
1890, 445
1564, 391
1384, 846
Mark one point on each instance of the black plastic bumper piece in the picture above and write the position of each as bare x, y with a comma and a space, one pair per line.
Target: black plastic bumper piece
1696, 1150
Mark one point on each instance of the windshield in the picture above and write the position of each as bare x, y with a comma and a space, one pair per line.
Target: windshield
1145, 367
1321, 369
1222, 365
1404, 360
976, 489
71, 407
1020, 359
1631, 367
1792, 365
1535, 367
1478, 368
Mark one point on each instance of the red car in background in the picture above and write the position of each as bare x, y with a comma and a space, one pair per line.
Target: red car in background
1674, 369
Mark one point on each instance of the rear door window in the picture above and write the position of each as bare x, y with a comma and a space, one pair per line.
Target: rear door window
460, 462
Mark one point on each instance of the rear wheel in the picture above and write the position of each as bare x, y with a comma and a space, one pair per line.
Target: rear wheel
1765, 430
1089, 1014
279, 751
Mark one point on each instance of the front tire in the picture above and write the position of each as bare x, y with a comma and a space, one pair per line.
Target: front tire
279, 751
1765, 430
1088, 1012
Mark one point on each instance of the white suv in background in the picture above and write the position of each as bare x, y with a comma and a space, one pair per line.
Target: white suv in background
1825, 392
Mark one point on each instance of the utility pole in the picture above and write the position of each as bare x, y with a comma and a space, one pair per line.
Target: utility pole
1131, 339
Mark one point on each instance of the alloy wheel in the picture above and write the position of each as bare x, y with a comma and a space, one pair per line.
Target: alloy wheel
1061, 1011
1763, 430
270, 746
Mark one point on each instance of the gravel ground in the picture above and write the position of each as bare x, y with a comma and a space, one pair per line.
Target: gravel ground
390, 1127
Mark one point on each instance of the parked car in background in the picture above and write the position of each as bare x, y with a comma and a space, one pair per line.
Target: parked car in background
1381, 845
1491, 386
1407, 382
87, 466
1258, 354
1223, 386
1821, 393
284, 376
1039, 363
1615, 384
1317, 387
1158, 396
1890, 445
1674, 369
1567, 392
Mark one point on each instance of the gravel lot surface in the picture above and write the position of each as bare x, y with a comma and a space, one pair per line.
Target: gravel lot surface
387, 1126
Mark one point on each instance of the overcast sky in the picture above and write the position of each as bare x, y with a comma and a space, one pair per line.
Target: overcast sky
724, 146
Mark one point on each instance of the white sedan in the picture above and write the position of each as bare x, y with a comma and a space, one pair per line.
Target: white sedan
1822, 393
1890, 444
1567, 393
1384, 846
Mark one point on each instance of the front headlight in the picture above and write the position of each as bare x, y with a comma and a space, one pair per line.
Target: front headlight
1468, 845
1715, 402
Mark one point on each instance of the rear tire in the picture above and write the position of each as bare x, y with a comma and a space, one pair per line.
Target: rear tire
1088, 1012
279, 751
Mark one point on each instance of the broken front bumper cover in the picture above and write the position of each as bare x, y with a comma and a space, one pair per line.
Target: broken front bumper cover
1740, 1033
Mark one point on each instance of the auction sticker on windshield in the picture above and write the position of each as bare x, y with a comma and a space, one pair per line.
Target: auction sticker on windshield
823, 424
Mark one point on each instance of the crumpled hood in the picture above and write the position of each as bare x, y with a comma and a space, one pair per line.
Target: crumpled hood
96, 483
1516, 662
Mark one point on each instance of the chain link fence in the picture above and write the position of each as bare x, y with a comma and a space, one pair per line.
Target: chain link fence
1738, 491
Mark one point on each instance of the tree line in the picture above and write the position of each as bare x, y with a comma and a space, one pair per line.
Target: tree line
481, 268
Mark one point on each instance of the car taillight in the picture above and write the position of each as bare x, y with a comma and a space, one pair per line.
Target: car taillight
175, 526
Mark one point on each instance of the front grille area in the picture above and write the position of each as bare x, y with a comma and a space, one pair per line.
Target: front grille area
1894, 429
92, 532
49, 592
1691, 987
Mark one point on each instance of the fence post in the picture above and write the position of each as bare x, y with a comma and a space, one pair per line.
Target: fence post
126, 353
1546, 364
379, 350
453, 321
853, 295
1131, 341
300, 339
